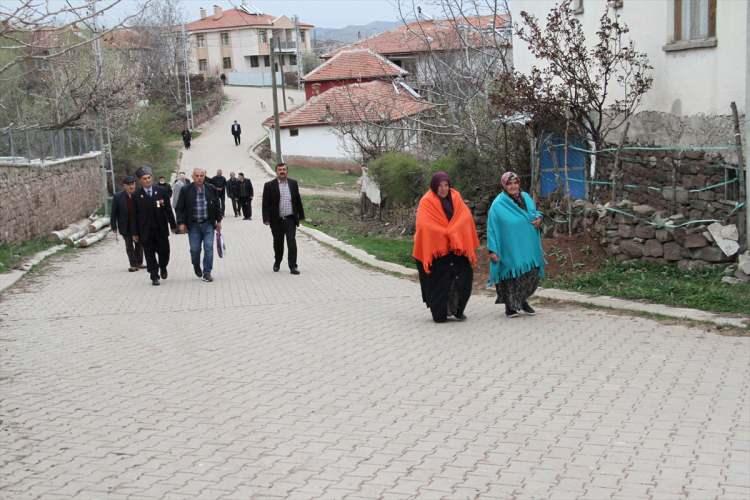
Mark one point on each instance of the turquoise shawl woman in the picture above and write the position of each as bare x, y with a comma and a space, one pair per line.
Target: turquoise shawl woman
512, 236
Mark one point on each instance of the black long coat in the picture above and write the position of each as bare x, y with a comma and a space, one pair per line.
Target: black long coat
153, 216
272, 196
119, 217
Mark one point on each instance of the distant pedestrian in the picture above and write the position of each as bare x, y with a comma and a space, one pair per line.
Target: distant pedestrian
187, 137
199, 213
236, 132
233, 192
515, 247
223, 78
220, 183
445, 248
283, 211
154, 218
245, 196
165, 186
122, 219
180, 183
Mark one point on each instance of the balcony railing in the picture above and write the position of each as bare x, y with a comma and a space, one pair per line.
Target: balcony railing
287, 45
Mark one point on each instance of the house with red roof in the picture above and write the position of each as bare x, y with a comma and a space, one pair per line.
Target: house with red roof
322, 131
236, 43
350, 66
413, 45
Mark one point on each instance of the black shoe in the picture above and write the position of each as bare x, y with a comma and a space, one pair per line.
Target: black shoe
155, 282
511, 313
525, 307
276, 268
197, 271
294, 270
207, 277
460, 317
132, 269
164, 273
440, 320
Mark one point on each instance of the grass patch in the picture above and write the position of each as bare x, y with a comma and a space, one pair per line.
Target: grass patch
339, 218
13, 253
323, 178
663, 284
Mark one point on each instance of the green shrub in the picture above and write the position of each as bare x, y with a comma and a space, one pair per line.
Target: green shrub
402, 178
469, 172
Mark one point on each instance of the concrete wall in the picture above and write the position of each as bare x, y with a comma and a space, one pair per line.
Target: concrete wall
686, 82
35, 200
321, 142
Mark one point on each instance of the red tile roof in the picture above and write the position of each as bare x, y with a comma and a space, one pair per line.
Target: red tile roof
234, 18
423, 36
375, 101
353, 64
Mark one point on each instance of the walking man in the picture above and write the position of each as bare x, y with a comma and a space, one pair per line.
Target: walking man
245, 195
282, 210
220, 183
154, 218
233, 186
199, 213
180, 183
165, 186
122, 218
236, 131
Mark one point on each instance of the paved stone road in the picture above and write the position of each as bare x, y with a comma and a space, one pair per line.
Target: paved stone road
336, 384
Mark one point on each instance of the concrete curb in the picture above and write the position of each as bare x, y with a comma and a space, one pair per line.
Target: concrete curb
7, 280
357, 253
548, 293
260, 161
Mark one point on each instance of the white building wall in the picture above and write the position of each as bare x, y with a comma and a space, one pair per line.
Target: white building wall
686, 82
316, 141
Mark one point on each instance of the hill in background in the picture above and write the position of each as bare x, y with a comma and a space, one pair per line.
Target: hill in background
349, 34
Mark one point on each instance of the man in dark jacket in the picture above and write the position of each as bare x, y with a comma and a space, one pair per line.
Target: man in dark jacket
245, 196
236, 132
282, 210
153, 219
199, 213
122, 219
165, 186
233, 191
220, 183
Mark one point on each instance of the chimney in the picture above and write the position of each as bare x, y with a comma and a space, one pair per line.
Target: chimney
218, 12
203, 13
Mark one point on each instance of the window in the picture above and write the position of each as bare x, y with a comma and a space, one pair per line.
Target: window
302, 36
266, 61
293, 132
292, 60
694, 20
200, 40
254, 61
227, 63
263, 36
577, 6
202, 65
225, 38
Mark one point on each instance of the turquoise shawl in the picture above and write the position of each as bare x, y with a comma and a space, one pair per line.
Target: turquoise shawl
512, 236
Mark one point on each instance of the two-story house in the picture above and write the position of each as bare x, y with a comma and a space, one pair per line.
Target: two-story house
236, 43
698, 50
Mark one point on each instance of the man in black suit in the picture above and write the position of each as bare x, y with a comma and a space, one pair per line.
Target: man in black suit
154, 217
282, 210
233, 192
220, 183
245, 195
199, 214
122, 218
236, 131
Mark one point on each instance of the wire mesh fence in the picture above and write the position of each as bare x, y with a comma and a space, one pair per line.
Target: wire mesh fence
38, 145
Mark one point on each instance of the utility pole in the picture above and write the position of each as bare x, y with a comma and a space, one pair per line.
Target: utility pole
105, 135
747, 131
188, 93
281, 73
297, 39
276, 129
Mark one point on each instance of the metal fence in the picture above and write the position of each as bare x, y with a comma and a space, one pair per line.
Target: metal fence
37, 145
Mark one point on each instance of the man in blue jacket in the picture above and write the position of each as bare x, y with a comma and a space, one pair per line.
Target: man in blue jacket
199, 214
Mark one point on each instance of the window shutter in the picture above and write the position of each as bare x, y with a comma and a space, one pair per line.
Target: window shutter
712, 18
678, 20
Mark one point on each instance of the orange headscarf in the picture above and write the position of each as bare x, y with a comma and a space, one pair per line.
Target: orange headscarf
436, 236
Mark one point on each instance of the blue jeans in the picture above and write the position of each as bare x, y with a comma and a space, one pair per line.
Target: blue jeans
202, 234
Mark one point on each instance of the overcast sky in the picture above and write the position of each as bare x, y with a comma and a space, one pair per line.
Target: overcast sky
321, 13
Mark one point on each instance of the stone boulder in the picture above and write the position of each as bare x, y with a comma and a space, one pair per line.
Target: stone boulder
625, 231
632, 248
709, 254
726, 237
653, 248
744, 263
645, 231
695, 240
663, 235
644, 210
672, 251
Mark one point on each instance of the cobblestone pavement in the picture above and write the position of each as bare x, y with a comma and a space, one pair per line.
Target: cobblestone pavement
336, 384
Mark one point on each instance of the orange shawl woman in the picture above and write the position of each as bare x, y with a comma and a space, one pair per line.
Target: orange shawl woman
445, 246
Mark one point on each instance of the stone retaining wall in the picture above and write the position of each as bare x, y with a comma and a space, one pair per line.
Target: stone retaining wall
35, 200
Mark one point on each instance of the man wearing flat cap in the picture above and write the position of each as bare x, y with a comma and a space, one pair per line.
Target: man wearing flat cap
122, 219
154, 218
